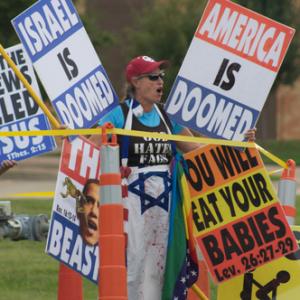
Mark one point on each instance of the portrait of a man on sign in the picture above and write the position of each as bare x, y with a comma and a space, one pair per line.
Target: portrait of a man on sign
74, 229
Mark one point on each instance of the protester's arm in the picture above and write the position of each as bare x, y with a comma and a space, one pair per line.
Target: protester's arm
187, 146
115, 117
250, 135
96, 139
6, 165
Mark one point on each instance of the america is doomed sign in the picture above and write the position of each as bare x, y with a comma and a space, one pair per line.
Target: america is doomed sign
228, 71
237, 219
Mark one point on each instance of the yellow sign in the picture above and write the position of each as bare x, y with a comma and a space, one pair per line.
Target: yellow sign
277, 280
238, 221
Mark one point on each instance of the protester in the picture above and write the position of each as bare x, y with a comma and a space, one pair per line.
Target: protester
6, 165
146, 164
88, 212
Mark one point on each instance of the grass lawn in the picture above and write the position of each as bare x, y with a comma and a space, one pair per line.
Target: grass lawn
283, 149
28, 273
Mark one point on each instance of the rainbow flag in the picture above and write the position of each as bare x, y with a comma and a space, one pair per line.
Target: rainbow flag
181, 270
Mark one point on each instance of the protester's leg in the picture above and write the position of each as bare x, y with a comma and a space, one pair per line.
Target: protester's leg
147, 242
156, 232
154, 273
135, 249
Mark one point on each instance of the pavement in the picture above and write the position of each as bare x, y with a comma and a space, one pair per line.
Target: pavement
35, 175
39, 174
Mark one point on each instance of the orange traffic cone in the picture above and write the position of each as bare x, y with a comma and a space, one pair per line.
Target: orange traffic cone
69, 284
112, 270
287, 191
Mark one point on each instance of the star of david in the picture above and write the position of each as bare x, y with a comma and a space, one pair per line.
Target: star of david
137, 187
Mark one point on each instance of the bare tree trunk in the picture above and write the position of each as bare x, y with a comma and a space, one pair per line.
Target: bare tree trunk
267, 123
81, 6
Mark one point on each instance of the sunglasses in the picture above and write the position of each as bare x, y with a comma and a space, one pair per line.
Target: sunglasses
153, 77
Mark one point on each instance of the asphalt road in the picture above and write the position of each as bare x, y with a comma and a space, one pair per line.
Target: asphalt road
37, 174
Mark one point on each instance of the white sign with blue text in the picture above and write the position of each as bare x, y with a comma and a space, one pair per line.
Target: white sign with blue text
74, 229
66, 62
19, 112
228, 71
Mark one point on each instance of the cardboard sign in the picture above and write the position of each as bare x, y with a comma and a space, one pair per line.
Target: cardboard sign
278, 280
18, 111
237, 218
228, 71
66, 62
74, 230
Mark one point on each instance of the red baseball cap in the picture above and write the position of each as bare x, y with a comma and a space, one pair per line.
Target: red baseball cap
143, 65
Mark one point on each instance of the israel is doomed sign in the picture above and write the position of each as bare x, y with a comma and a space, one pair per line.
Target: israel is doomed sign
66, 62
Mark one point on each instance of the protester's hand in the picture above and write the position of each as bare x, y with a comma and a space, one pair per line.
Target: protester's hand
96, 139
250, 135
6, 165
61, 127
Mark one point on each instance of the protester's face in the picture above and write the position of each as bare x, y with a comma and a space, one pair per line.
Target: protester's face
149, 87
89, 218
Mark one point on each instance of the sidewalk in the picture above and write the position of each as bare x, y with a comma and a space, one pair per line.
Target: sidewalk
37, 174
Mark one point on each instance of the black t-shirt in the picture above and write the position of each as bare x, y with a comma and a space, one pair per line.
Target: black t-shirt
143, 151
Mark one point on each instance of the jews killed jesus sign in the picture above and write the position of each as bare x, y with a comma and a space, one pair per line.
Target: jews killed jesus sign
19, 112
237, 219
228, 71
74, 232
66, 62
